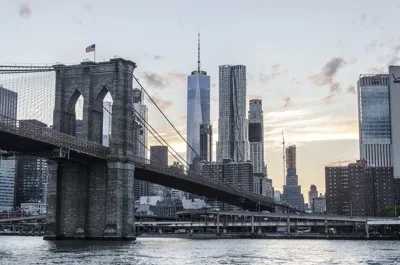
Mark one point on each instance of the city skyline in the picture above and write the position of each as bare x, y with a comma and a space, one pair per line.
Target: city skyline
295, 74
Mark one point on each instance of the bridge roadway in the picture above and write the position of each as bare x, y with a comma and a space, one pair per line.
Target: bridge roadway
30, 139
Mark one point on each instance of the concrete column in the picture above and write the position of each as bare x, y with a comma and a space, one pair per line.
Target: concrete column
326, 227
367, 230
217, 223
52, 217
252, 224
288, 226
120, 202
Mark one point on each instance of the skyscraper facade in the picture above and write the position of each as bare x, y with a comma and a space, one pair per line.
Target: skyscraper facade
141, 113
374, 120
206, 142
394, 92
140, 139
158, 156
256, 136
8, 109
198, 108
7, 176
8, 103
233, 138
312, 194
107, 120
358, 189
292, 189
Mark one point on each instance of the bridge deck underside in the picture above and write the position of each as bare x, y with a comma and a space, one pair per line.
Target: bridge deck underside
28, 146
188, 185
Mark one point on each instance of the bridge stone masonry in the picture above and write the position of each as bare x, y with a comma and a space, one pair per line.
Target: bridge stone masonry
93, 200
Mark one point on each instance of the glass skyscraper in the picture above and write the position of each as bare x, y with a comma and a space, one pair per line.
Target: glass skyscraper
198, 108
374, 120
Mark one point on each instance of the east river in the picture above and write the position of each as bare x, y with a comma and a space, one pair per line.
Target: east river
34, 250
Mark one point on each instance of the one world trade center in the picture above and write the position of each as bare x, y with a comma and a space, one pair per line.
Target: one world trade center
198, 108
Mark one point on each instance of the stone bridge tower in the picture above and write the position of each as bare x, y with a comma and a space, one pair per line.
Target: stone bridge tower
93, 198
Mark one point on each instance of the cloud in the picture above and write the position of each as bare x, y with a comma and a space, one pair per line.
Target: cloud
297, 82
90, 9
184, 117
328, 99
327, 77
287, 102
163, 104
395, 58
275, 72
177, 76
213, 85
77, 21
158, 57
351, 89
214, 99
25, 10
371, 47
305, 125
155, 80
377, 70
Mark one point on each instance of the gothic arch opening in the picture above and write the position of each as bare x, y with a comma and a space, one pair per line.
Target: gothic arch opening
103, 111
73, 124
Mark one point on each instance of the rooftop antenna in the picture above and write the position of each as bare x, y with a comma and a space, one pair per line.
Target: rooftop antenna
198, 53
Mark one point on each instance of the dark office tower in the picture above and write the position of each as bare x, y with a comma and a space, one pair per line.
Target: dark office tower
137, 96
198, 107
292, 189
206, 142
31, 175
159, 154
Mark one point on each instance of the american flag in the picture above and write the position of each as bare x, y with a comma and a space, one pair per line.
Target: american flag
91, 48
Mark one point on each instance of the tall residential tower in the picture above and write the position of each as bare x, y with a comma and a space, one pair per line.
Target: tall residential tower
233, 140
198, 107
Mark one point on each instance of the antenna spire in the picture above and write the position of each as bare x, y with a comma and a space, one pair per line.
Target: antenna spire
198, 53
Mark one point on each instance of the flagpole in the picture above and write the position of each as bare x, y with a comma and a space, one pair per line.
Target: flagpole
94, 54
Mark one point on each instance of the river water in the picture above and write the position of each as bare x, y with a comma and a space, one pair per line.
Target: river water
166, 251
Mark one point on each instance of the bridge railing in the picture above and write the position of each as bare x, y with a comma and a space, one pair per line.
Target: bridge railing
47, 135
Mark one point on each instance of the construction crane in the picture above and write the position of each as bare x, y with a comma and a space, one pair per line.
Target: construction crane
283, 157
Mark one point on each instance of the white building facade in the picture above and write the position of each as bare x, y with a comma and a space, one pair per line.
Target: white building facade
107, 120
394, 92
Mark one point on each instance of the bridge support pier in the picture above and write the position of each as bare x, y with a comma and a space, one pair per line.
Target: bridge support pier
90, 201
217, 223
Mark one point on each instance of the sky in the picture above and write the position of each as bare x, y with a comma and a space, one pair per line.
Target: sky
303, 59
